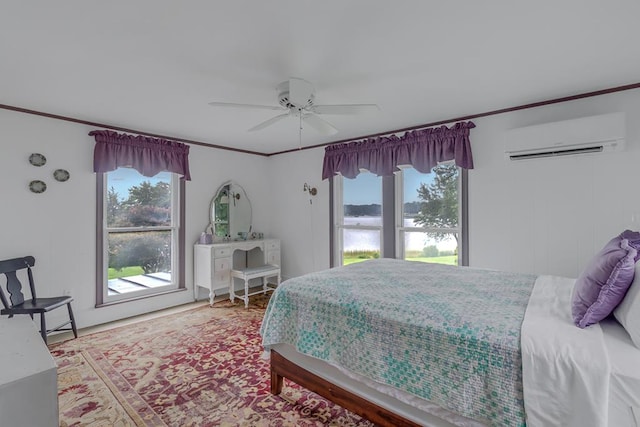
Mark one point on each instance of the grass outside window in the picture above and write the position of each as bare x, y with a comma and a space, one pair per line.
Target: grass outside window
350, 257
125, 272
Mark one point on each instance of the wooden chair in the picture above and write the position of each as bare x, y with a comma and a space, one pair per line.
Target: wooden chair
18, 305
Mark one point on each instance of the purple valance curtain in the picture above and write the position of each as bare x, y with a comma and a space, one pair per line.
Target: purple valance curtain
146, 155
422, 149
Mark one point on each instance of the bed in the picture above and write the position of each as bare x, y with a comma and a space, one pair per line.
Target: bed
409, 343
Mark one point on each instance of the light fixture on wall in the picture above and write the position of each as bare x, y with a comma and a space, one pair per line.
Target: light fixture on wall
312, 190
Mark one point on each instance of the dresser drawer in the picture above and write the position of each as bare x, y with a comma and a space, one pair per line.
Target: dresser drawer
222, 275
273, 257
272, 245
221, 279
222, 264
222, 252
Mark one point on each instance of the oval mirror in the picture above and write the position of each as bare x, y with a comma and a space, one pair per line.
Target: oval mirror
230, 212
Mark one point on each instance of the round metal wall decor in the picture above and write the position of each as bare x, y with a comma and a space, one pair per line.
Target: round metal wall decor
37, 186
61, 175
37, 159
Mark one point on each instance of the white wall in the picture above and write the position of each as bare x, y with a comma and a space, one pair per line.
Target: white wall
550, 216
303, 227
58, 227
547, 216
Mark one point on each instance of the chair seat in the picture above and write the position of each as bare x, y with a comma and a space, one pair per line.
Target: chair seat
40, 305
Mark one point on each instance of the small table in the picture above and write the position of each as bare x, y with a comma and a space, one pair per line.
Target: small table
246, 274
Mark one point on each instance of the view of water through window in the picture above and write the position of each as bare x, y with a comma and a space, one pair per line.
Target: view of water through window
429, 201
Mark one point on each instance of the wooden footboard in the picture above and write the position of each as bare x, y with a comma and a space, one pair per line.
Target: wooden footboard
284, 368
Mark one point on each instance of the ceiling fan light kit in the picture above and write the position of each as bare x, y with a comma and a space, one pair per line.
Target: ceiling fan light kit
296, 97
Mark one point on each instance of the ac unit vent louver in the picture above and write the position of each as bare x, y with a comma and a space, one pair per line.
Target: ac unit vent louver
586, 135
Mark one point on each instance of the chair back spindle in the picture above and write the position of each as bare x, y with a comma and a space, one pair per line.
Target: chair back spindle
3, 298
31, 285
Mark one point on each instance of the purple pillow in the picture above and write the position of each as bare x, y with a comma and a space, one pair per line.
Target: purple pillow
634, 240
606, 279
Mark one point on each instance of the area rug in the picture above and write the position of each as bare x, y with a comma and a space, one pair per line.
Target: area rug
200, 367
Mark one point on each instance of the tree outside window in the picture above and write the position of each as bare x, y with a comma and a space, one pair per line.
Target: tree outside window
140, 230
429, 230
438, 206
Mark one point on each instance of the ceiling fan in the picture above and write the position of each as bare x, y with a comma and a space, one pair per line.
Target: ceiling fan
296, 98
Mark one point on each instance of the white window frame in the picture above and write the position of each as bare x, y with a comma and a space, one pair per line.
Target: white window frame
339, 225
400, 229
175, 246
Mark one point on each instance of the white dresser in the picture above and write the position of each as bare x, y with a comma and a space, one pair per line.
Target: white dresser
28, 377
213, 263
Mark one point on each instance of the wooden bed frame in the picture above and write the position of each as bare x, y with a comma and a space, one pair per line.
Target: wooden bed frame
282, 368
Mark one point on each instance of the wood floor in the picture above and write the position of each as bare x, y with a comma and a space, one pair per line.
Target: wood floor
123, 322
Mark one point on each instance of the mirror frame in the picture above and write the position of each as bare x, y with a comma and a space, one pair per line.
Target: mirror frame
240, 192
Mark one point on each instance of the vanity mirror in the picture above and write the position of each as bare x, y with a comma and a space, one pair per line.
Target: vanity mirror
230, 212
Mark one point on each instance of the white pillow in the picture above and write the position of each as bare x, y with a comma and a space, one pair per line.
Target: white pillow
628, 312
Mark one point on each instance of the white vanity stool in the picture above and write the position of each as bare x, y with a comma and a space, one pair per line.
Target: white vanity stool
246, 274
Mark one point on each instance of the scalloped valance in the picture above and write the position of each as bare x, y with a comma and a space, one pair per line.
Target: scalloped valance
145, 154
423, 149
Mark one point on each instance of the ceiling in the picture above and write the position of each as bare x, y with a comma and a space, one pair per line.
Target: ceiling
154, 65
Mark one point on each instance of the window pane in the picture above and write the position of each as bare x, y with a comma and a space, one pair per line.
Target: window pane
362, 200
441, 248
134, 200
360, 245
431, 200
142, 258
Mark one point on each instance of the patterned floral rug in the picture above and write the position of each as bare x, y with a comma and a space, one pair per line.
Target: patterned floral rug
201, 367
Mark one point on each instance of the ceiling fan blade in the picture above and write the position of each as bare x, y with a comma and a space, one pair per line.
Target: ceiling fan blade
269, 122
321, 125
252, 106
299, 91
345, 109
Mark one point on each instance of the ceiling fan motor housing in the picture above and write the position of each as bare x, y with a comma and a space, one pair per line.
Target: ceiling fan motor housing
283, 98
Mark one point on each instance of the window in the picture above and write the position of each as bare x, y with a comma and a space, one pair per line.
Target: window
427, 210
428, 214
139, 238
358, 218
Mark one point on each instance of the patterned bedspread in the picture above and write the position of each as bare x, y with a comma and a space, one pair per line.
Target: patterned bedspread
447, 334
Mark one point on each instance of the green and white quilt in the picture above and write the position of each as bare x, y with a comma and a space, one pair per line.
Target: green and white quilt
447, 334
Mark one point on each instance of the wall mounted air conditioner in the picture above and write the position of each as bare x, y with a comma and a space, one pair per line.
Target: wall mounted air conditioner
594, 134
